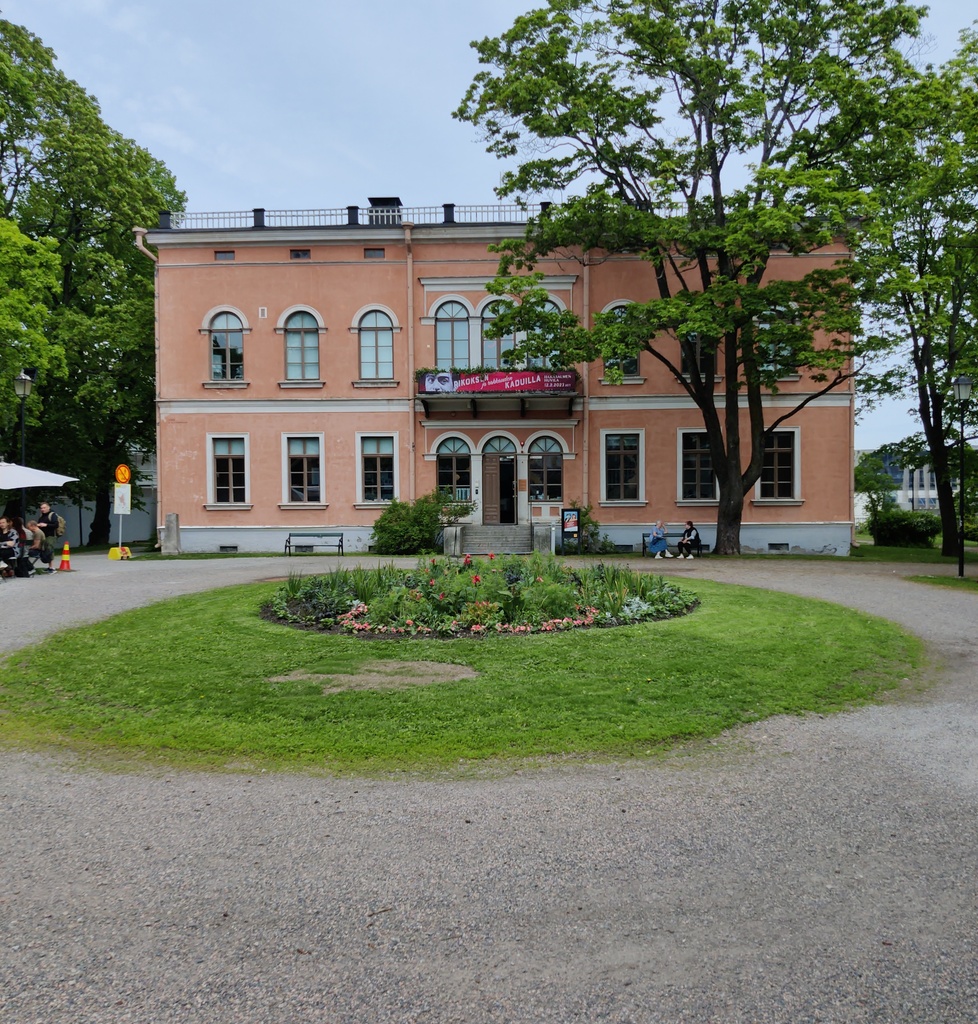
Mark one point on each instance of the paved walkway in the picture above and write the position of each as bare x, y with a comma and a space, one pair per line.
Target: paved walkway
802, 869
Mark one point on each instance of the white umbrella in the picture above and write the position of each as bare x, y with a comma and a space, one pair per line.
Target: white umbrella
14, 477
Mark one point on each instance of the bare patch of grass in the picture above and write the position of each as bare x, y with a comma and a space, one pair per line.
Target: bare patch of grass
383, 675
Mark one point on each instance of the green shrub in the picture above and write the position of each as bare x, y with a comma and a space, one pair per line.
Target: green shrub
896, 527
412, 528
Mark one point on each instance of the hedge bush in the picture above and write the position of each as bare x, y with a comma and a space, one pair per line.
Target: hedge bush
898, 528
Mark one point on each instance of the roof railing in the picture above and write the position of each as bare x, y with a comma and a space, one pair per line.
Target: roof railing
354, 216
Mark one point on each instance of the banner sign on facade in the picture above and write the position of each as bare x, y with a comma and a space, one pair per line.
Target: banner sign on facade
444, 381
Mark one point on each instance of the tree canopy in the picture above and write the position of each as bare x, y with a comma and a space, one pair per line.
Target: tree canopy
66, 175
916, 264
710, 138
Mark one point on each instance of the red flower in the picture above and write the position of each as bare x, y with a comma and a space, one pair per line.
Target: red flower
476, 579
467, 561
491, 556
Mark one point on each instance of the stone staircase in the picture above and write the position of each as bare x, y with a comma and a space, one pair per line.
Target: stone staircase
501, 540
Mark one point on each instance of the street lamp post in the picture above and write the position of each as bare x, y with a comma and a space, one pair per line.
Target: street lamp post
962, 392
22, 388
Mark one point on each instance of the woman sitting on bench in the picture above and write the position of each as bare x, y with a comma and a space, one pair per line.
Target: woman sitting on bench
657, 541
690, 539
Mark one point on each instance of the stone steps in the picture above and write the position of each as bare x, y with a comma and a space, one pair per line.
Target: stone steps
501, 540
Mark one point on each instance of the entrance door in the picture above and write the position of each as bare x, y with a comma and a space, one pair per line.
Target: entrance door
498, 489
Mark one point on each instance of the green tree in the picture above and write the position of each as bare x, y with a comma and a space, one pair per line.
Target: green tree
917, 257
710, 137
67, 175
29, 276
872, 480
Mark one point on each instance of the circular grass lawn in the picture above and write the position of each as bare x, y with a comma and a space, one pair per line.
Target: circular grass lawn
204, 680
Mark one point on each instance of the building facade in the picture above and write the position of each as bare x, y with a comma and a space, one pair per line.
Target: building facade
312, 367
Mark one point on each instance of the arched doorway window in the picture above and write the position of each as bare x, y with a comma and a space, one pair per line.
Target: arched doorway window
546, 470
227, 347
494, 349
301, 347
544, 362
498, 445
376, 346
455, 469
499, 481
451, 336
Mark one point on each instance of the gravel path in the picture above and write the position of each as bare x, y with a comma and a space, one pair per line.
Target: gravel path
799, 870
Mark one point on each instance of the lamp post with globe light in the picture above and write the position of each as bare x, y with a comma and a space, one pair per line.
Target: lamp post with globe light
962, 392
22, 388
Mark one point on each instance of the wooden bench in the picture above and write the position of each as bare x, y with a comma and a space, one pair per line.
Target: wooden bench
699, 547
315, 539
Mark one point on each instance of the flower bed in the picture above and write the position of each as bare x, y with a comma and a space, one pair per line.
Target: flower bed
508, 595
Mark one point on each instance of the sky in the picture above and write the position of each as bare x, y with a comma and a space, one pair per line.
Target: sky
312, 104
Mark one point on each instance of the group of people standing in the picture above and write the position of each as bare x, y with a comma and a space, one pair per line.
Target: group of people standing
19, 541
659, 545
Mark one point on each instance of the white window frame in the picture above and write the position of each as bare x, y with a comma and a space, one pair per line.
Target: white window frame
359, 436
286, 501
796, 490
640, 500
680, 500
212, 502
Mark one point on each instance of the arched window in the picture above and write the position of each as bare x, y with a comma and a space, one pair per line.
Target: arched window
376, 332
627, 364
544, 362
301, 347
451, 336
227, 347
546, 470
499, 446
495, 349
455, 469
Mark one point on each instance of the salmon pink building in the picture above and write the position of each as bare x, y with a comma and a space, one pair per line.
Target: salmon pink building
314, 365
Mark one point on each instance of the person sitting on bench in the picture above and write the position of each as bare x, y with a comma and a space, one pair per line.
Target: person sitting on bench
657, 541
689, 540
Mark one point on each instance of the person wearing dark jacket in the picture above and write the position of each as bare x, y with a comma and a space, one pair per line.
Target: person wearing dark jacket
689, 540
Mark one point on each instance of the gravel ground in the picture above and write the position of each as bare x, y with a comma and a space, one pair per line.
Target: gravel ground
798, 870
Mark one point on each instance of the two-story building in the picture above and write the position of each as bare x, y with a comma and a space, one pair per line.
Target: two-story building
312, 367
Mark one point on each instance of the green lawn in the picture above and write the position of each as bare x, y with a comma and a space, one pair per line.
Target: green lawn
192, 681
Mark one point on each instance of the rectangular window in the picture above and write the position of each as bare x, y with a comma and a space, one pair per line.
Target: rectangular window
377, 454
546, 477
299, 254
224, 254
621, 467
628, 365
229, 470
705, 358
304, 480
698, 479
373, 254
778, 474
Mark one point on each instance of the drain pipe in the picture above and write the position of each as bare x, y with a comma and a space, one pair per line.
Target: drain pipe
412, 384
140, 234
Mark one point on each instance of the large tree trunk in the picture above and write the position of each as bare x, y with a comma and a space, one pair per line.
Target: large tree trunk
101, 524
730, 513
940, 464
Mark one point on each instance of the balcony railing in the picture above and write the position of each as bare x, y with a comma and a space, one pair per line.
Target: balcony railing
354, 216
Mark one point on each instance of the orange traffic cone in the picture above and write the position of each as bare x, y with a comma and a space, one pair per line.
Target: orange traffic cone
65, 559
